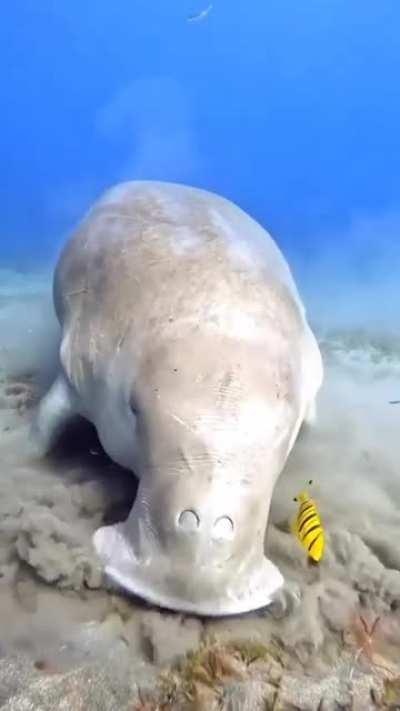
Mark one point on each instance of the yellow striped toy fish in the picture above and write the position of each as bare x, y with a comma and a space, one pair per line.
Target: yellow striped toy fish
307, 527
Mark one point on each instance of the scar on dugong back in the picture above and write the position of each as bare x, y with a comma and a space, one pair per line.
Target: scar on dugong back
185, 342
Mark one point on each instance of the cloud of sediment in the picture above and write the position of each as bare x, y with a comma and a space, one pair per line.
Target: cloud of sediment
350, 278
350, 283
148, 129
150, 124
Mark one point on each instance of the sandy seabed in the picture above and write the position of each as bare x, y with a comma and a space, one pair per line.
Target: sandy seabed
332, 638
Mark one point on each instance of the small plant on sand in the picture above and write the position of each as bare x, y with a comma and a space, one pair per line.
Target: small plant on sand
169, 685
151, 704
389, 698
197, 681
391, 693
363, 633
249, 651
210, 665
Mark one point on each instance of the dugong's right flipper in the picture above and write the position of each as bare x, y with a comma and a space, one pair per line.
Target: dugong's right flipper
54, 411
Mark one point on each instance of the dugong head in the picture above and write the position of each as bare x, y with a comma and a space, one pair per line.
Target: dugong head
210, 443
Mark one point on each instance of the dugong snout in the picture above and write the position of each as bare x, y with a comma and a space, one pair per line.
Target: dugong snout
205, 557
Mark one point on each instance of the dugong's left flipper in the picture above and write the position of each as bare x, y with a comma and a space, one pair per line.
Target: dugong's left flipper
54, 411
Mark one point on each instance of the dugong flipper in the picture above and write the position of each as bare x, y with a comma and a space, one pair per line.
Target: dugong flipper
54, 412
184, 341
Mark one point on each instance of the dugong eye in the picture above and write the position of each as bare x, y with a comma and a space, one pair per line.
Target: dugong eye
133, 407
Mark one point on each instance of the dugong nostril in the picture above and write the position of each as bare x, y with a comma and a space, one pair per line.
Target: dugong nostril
189, 520
223, 528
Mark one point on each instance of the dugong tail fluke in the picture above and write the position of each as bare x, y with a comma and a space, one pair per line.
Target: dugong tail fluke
185, 342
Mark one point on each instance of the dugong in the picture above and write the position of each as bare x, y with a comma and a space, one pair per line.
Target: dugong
186, 344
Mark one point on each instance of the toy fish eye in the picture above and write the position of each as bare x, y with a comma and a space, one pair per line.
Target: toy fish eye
295, 498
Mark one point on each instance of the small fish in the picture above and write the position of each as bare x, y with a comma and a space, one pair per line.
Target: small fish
307, 527
200, 15
394, 402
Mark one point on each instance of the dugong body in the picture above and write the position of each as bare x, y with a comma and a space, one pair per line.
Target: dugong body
184, 341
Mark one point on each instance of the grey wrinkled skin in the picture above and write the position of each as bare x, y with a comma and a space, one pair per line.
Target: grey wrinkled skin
186, 344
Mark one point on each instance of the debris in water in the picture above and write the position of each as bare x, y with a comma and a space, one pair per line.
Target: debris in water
201, 15
45, 667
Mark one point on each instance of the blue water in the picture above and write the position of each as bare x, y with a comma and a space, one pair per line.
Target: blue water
290, 109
